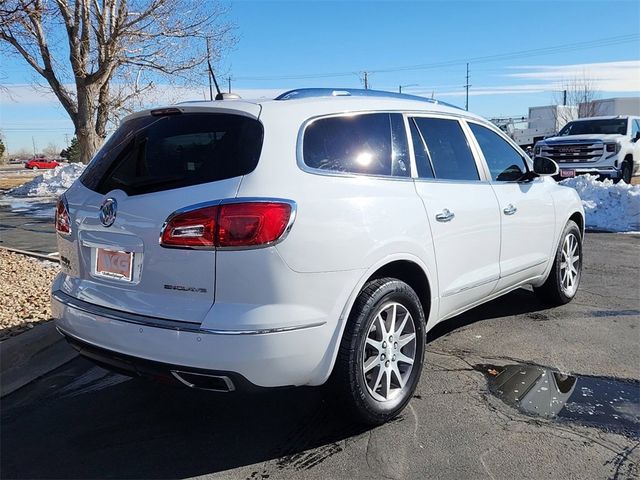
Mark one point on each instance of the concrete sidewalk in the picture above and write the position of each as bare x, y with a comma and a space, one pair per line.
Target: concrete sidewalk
30, 355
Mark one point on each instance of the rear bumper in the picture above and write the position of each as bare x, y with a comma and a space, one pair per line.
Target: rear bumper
164, 372
141, 345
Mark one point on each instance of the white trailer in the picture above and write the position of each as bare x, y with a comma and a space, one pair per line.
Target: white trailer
611, 107
541, 122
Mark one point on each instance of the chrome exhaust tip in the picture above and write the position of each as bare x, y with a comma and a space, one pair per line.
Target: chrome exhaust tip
203, 381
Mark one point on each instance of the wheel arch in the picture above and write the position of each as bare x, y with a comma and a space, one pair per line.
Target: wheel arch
578, 218
410, 273
406, 268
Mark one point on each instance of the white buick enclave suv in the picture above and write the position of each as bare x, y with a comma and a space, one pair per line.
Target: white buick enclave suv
309, 239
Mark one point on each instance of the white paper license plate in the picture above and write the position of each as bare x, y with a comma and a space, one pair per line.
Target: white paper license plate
114, 264
567, 173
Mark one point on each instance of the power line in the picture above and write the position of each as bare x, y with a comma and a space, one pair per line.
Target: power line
551, 50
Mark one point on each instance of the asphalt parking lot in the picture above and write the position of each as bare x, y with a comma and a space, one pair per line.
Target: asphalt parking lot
83, 422
27, 224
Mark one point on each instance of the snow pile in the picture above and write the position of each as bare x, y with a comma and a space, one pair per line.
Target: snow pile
51, 183
608, 206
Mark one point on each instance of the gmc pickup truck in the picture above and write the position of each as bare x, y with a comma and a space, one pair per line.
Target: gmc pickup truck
604, 146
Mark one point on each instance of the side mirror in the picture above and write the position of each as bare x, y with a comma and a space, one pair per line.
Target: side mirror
545, 167
636, 138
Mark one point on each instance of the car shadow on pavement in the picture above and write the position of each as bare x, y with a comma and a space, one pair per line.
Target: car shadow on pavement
84, 422
518, 302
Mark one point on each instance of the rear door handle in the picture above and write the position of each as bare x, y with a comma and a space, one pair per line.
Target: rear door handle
445, 216
510, 209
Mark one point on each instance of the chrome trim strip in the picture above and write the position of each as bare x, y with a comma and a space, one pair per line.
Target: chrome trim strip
144, 320
332, 173
540, 262
469, 287
227, 381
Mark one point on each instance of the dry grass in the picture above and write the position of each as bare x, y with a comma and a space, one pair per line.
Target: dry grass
14, 181
15, 175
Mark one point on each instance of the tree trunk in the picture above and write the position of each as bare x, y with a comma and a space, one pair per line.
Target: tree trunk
89, 140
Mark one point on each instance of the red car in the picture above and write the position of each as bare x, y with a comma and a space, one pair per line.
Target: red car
36, 163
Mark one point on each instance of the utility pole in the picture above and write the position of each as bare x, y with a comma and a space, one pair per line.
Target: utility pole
33, 141
229, 79
66, 139
366, 80
564, 97
466, 86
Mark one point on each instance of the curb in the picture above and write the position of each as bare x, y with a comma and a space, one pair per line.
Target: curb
51, 257
30, 355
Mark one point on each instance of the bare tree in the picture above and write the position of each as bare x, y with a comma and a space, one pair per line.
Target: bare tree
100, 56
22, 153
579, 97
51, 150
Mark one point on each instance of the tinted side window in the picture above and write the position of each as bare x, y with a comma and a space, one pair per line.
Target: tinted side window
504, 162
635, 128
151, 154
353, 144
448, 149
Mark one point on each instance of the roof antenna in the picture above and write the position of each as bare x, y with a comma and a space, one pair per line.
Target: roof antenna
219, 95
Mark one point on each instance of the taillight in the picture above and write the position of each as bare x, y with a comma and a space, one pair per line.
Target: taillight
228, 225
62, 221
194, 228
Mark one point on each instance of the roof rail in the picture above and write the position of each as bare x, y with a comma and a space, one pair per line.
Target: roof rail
353, 92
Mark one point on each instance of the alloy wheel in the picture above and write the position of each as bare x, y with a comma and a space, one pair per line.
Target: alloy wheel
389, 351
570, 265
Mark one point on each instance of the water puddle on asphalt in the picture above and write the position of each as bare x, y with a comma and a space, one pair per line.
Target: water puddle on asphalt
608, 404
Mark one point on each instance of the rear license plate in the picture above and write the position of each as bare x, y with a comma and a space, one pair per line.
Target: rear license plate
114, 264
567, 173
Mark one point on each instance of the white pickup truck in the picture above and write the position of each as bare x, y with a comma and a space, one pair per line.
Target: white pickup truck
605, 146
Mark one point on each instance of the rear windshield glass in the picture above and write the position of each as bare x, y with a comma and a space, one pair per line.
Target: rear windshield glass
150, 154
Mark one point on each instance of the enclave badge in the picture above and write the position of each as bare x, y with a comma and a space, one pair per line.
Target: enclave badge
108, 211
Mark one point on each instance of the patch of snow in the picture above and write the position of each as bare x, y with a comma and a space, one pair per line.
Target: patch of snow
607, 206
51, 183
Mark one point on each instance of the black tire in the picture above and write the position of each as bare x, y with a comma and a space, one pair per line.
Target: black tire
627, 171
553, 291
349, 376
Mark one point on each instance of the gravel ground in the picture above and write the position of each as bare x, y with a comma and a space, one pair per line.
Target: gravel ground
24, 292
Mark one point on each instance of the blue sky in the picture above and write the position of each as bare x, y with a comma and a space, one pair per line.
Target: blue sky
283, 39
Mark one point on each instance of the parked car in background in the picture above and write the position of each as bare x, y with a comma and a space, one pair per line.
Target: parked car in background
312, 238
604, 146
40, 163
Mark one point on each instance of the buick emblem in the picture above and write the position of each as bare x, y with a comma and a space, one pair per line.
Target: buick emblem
108, 211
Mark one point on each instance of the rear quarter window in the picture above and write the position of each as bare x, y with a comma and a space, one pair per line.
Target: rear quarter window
151, 154
370, 144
